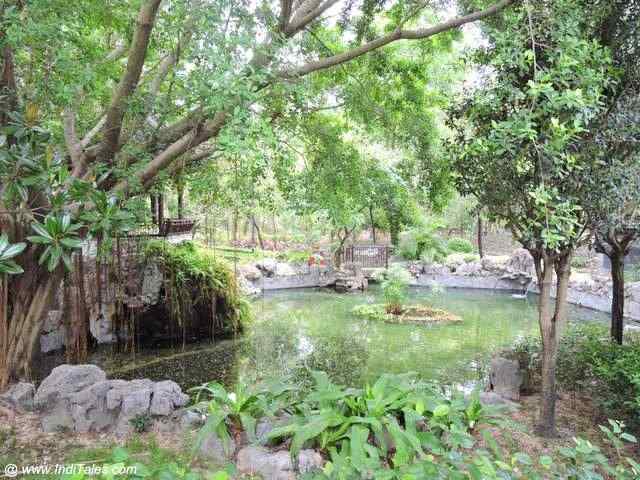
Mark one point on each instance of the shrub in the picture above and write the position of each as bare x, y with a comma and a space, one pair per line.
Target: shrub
395, 288
589, 362
398, 428
460, 245
408, 246
422, 243
141, 422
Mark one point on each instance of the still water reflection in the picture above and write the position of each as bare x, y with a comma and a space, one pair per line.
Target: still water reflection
298, 330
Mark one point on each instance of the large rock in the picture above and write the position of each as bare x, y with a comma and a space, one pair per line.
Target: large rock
350, 279
272, 268
470, 269
284, 270
213, 449
247, 288
52, 334
101, 318
166, 397
455, 261
435, 269
505, 378
20, 395
250, 272
495, 263
89, 410
80, 398
190, 420
152, 280
521, 261
266, 425
277, 465
492, 398
267, 266
132, 399
64, 381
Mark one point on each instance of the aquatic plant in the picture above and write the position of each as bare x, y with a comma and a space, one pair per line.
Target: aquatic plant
395, 288
195, 276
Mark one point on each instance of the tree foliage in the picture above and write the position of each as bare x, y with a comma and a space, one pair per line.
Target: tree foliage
517, 144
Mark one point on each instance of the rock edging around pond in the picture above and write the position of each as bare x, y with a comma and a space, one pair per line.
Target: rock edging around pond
514, 273
80, 398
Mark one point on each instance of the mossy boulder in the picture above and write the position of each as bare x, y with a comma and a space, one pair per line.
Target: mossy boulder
198, 284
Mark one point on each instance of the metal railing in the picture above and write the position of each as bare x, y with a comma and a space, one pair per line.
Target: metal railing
366, 256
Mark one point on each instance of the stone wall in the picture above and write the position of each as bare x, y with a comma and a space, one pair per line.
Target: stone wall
143, 283
514, 273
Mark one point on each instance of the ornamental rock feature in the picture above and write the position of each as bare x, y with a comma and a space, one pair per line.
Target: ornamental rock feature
79, 398
505, 378
20, 395
277, 465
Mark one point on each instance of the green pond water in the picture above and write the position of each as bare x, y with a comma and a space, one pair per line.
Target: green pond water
298, 330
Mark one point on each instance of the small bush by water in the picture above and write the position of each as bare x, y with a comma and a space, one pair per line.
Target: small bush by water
395, 288
422, 243
589, 362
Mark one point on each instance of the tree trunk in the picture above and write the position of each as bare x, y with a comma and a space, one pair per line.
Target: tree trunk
373, 226
551, 325
339, 251
235, 225
617, 301
4, 332
257, 229
480, 246
180, 191
27, 316
547, 421
160, 211
154, 208
253, 231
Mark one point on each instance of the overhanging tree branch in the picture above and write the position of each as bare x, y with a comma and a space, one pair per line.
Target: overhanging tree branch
129, 81
71, 139
187, 142
398, 34
302, 18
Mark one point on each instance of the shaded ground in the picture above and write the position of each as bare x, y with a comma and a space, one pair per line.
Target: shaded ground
575, 417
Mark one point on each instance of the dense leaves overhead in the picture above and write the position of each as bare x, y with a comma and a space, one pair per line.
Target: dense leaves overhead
546, 82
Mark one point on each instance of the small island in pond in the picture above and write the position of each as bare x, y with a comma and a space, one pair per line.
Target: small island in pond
409, 314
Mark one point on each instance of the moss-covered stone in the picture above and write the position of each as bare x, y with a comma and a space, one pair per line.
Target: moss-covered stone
195, 276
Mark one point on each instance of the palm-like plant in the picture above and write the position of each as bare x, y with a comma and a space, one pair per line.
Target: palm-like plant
8, 252
59, 235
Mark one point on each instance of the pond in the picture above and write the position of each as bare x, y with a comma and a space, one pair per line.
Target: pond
298, 330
